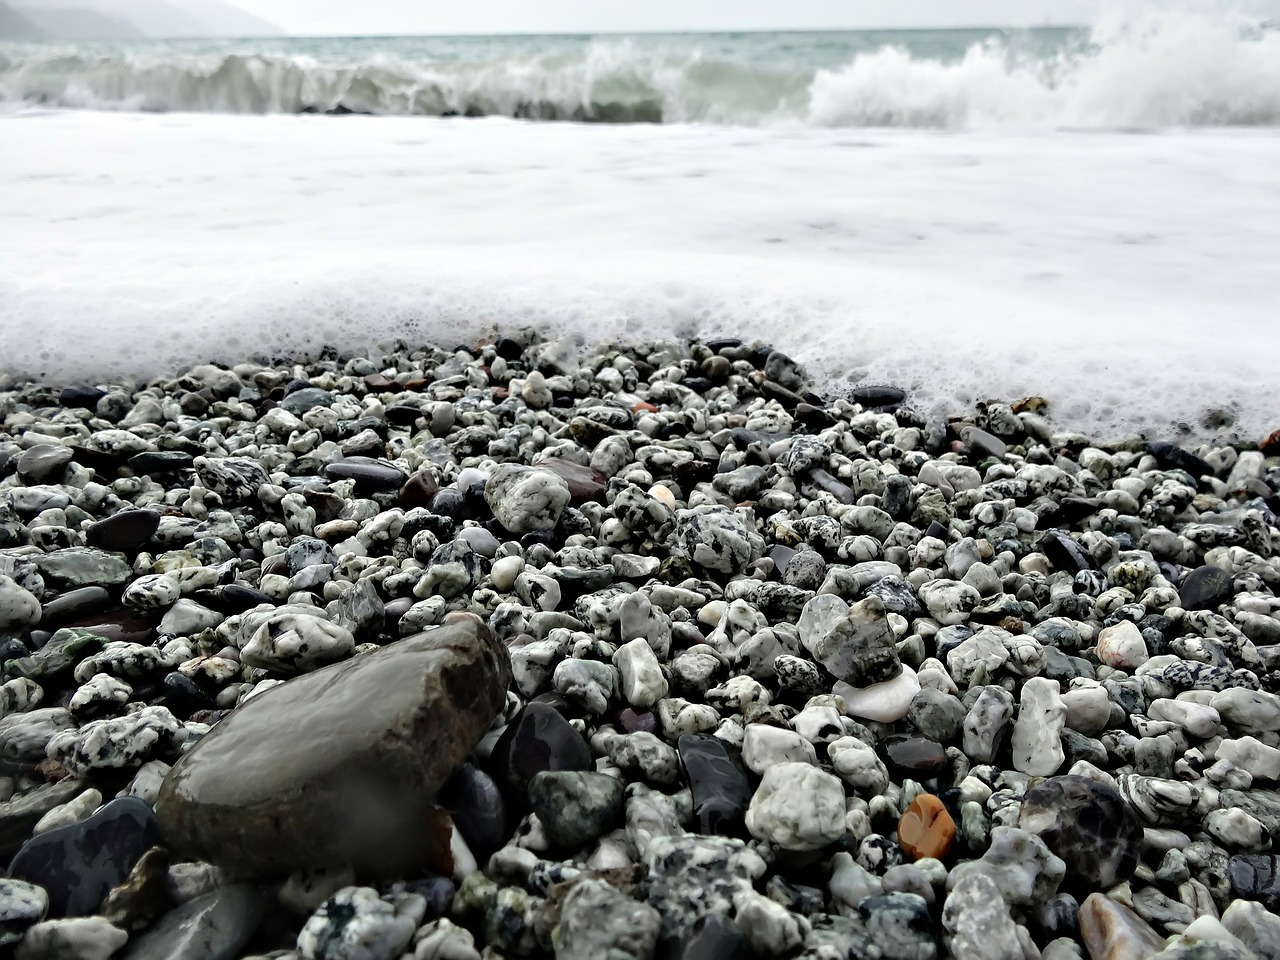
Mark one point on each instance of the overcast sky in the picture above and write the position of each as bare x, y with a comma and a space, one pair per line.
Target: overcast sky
598, 16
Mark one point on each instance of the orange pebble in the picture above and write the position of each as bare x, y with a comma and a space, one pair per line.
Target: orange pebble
644, 407
926, 829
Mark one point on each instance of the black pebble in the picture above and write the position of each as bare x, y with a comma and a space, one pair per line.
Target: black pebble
80, 863
721, 791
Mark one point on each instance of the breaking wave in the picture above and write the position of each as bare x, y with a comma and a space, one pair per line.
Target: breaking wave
1159, 70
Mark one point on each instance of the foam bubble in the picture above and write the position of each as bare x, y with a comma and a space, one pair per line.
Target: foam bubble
1128, 279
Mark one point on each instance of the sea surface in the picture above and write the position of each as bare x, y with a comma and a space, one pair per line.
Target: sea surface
1092, 215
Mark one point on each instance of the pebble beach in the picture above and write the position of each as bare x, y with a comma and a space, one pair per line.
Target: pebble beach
648, 651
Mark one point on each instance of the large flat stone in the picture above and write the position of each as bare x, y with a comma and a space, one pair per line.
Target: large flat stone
340, 765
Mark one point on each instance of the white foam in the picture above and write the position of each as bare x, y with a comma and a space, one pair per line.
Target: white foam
1131, 279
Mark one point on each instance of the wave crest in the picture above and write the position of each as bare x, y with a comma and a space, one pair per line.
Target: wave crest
1162, 69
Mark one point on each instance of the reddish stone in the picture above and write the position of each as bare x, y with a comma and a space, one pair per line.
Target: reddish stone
585, 484
926, 829
419, 490
644, 407
378, 382
52, 770
1271, 446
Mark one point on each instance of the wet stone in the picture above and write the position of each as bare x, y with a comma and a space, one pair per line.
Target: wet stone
1064, 553
370, 474
576, 807
1088, 825
84, 567
721, 792
79, 864
22, 905
478, 809
294, 772
307, 398
216, 926
72, 605
1256, 877
43, 462
538, 739
123, 532
917, 757
926, 829
1205, 588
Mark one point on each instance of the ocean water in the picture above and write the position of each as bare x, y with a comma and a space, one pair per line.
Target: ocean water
1089, 215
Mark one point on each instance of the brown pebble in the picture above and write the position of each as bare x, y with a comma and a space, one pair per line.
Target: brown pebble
418, 490
926, 829
1111, 931
52, 770
1270, 447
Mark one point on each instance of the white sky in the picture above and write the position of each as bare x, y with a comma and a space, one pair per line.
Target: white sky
598, 16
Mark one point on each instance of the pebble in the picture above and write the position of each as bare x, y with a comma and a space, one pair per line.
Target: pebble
598, 921
718, 784
216, 926
357, 924
1112, 931
77, 865
22, 906
1088, 825
81, 938
282, 769
797, 807
829, 629
1037, 731
885, 702
926, 829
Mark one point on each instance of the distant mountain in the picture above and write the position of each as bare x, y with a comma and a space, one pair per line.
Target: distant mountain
14, 26
148, 18
227, 20
67, 23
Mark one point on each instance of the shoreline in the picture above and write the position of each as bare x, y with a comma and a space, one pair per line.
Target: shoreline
838, 676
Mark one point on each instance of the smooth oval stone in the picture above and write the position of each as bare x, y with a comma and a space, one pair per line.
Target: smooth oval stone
19, 816
479, 812
1064, 553
119, 625
231, 598
79, 864
1205, 588
879, 397
575, 806
339, 766
419, 490
1088, 825
307, 398
81, 397
918, 756
81, 602
1256, 877
1171, 457
124, 532
449, 502
213, 927
538, 739
718, 782
370, 474
585, 483
43, 461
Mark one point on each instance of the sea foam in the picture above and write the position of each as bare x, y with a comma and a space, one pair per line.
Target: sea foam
1129, 279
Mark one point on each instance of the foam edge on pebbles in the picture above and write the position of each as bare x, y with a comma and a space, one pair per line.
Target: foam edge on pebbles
791, 676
